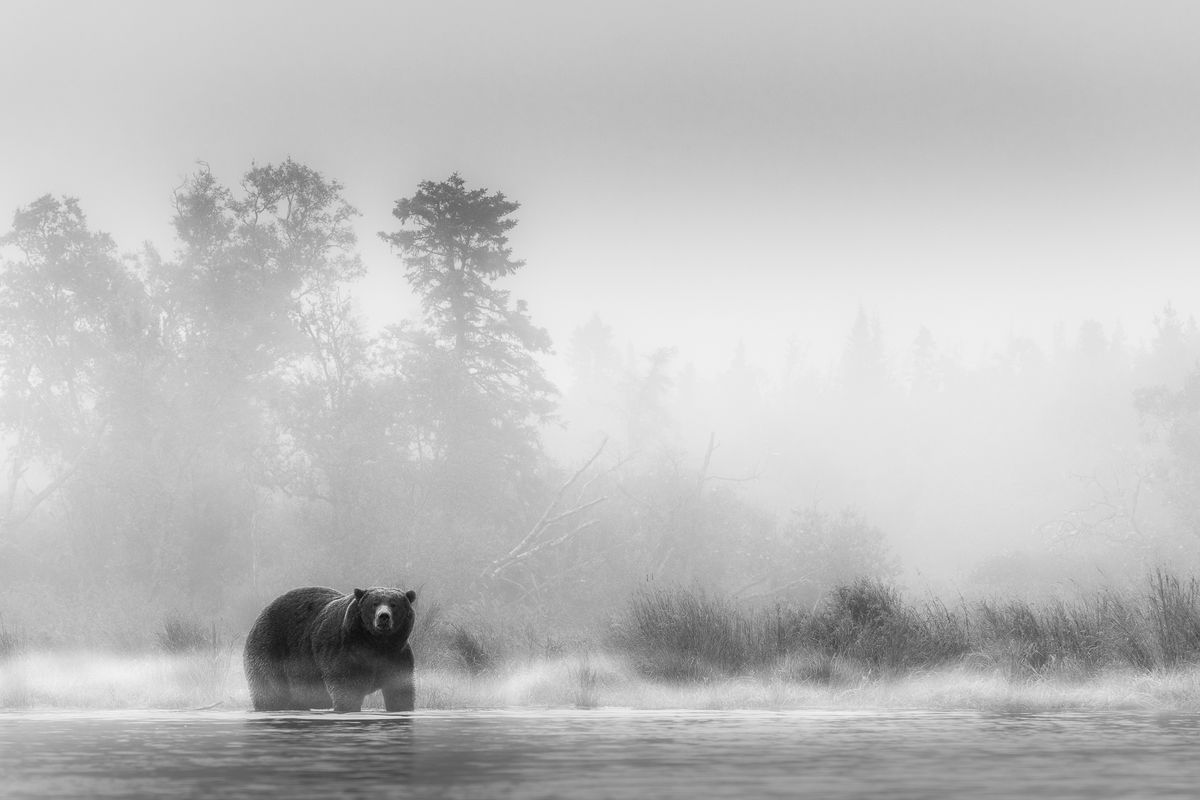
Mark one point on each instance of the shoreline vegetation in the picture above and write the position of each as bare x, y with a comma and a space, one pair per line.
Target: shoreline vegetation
865, 646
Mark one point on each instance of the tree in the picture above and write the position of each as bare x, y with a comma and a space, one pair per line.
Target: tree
835, 549
269, 356
595, 361
1174, 415
925, 378
647, 417
478, 389
1174, 350
79, 349
864, 371
69, 312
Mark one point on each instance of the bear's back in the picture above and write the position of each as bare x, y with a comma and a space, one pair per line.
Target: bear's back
284, 625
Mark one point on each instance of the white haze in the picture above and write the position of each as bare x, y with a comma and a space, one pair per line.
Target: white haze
716, 177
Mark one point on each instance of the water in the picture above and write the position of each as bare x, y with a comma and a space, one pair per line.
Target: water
599, 753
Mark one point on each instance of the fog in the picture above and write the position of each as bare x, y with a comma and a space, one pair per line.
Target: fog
793, 293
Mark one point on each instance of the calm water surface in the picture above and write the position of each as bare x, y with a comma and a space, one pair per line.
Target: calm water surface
599, 753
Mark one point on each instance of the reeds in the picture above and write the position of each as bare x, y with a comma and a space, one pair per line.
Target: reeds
691, 635
688, 634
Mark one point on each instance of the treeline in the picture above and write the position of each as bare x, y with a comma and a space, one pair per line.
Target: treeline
192, 432
1028, 465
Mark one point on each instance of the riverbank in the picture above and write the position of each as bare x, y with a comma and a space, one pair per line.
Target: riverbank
864, 646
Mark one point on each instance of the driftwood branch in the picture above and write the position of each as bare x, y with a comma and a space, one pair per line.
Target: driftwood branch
538, 538
509, 561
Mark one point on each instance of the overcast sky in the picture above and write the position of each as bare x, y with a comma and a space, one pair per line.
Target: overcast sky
696, 173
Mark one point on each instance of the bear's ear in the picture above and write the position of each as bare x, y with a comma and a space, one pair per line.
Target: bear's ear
358, 593
411, 595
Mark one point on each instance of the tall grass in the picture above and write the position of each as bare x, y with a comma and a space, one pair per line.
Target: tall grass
10, 640
181, 634
1175, 618
686, 634
869, 622
689, 635
682, 634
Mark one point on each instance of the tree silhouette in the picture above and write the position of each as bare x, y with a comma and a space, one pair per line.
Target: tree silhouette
478, 390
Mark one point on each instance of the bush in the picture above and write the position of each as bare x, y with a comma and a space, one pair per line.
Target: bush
10, 641
1159, 629
1175, 617
681, 634
867, 620
470, 652
186, 635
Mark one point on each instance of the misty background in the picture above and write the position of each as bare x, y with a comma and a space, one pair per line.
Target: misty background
901, 289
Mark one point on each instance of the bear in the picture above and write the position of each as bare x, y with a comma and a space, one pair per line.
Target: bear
316, 648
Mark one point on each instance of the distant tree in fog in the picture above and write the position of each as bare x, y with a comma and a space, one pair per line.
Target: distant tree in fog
926, 377
647, 415
74, 325
1173, 415
864, 367
594, 359
478, 390
263, 337
1173, 350
829, 549
592, 402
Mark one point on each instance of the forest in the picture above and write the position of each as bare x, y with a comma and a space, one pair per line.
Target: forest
188, 433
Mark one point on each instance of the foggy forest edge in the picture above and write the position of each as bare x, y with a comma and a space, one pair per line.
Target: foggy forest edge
188, 434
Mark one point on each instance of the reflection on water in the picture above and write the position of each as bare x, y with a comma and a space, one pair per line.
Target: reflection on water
600, 753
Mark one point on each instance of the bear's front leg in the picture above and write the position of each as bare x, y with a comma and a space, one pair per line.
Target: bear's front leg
345, 700
400, 695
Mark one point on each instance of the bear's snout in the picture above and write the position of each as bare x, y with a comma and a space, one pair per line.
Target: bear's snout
383, 618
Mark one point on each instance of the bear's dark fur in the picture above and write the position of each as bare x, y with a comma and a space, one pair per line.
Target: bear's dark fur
318, 648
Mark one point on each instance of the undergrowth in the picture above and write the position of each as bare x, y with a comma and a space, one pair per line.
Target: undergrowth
688, 634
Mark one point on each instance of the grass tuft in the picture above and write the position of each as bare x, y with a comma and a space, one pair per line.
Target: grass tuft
685, 635
470, 651
11, 641
180, 635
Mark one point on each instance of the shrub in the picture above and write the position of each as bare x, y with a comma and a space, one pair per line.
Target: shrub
10, 640
682, 634
1156, 630
470, 651
867, 620
1174, 612
186, 635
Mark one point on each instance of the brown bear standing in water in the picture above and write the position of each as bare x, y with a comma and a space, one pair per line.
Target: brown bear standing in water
317, 648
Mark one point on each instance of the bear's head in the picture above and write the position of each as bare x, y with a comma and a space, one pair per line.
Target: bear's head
382, 612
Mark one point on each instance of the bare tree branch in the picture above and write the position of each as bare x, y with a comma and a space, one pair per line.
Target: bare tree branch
542, 523
534, 542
